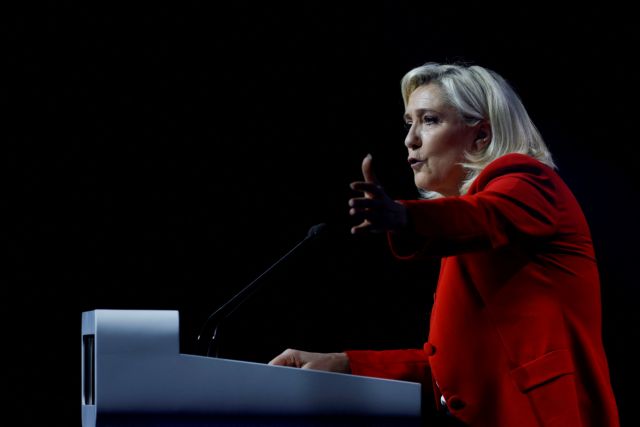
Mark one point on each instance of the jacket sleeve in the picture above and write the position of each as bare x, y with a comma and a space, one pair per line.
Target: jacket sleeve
513, 198
406, 365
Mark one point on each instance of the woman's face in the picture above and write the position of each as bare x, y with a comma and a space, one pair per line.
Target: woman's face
437, 140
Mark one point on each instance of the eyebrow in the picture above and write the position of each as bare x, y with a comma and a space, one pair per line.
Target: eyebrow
419, 112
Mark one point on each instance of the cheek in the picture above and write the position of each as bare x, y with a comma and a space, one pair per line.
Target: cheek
440, 167
444, 167
447, 155
441, 143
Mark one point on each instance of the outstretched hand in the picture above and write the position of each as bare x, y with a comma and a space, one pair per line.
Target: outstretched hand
333, 362
377, 211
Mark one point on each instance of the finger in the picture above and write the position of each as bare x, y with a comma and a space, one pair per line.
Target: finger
280, 360
367, 187
331, 362
360, 228
365, 227
367, 169
372, 217
365, 203
286, 358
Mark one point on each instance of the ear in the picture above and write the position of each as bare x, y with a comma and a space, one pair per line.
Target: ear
483, 135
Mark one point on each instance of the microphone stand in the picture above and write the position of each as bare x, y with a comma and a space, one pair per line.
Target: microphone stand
215, 319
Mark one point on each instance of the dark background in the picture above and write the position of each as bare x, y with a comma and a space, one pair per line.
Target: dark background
162, 157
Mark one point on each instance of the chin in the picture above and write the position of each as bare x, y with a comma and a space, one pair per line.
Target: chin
423, 184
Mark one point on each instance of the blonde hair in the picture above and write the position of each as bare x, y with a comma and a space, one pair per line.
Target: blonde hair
480, 94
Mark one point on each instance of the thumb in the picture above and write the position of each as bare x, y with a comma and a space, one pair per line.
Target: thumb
367, 169
286, 358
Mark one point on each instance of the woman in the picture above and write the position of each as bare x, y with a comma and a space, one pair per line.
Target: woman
515, 331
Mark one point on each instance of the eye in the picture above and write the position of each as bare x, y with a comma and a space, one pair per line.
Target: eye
430, 119
407, 125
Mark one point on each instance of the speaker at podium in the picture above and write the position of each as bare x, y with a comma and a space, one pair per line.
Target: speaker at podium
133, 374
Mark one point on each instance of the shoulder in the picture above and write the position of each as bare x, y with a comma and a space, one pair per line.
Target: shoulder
516, 165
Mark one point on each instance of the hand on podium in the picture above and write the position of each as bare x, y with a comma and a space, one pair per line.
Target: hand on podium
332, 362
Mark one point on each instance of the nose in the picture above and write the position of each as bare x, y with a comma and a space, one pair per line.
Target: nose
412, 140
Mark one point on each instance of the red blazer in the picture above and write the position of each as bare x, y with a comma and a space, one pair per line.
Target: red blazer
515, 335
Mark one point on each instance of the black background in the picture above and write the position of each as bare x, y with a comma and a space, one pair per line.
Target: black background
162, 157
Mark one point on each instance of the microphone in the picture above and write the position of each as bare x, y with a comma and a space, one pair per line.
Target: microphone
209, 330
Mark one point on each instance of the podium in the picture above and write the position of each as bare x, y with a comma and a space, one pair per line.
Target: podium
133, 374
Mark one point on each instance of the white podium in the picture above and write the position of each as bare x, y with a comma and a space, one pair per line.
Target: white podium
133, 374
